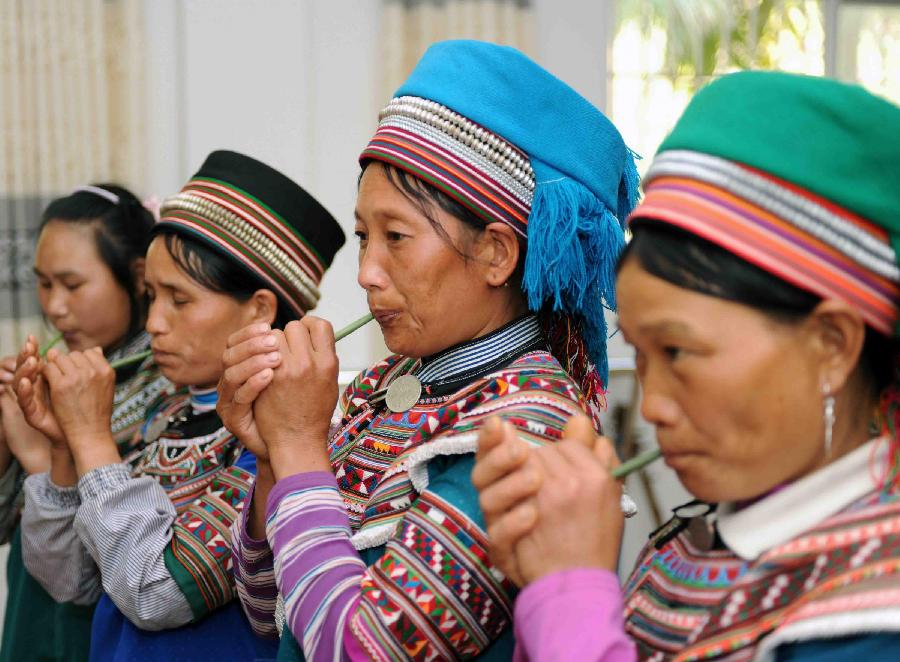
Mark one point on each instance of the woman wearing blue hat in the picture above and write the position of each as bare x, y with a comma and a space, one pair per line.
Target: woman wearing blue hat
489, 220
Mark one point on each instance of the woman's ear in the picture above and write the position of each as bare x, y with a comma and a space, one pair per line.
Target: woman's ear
503, 252
262, 306
837, 334
138, 266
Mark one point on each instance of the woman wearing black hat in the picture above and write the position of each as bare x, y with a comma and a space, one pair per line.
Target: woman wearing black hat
240, 244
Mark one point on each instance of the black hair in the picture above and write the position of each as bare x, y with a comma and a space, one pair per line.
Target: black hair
689, 261
218, 273
121, 232
425, 196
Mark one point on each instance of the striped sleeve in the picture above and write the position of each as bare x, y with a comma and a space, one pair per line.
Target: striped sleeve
432, 595
126, 525
254, 575
53, 553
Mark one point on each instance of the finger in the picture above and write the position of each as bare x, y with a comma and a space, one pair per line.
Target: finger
580, 429
296, 335
258, 344
605, 452
509, 528
511, 490
28, 370
97, 362
7, 369
235, 376
554, 464
321, 334
504, 458
53, 374
247, 393
67, 364
248, 332
489, 437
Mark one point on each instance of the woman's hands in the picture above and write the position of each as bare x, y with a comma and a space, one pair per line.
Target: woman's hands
69, 399
551, 508
33, 393
278, 398
30, 446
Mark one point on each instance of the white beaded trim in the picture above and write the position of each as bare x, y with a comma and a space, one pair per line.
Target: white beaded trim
828, 227
250, 236
503, 154
481, 163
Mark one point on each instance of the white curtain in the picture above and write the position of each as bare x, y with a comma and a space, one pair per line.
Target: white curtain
71, 112
410, 26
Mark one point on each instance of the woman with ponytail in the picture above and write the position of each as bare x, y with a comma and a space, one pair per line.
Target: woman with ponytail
488, 219
89, 264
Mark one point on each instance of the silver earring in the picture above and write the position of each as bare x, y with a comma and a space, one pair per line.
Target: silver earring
828, 416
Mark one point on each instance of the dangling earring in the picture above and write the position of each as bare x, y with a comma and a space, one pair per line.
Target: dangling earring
828, 416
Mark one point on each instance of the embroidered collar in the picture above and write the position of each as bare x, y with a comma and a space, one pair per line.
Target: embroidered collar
203, 399
481, 355
783, 515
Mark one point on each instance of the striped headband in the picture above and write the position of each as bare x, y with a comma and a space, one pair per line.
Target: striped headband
253, 234
788, 231
483, 172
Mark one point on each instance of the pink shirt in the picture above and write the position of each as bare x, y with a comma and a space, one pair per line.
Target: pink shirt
572, 615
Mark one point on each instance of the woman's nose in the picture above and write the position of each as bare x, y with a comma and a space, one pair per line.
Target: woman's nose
372, 273
156, 323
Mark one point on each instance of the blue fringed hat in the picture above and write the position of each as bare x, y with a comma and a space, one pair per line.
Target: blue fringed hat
512, 143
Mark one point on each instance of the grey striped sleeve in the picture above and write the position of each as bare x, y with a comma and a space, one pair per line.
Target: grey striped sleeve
52, 551
10, 490
126, 524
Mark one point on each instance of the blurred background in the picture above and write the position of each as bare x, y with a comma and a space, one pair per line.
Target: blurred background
140, 91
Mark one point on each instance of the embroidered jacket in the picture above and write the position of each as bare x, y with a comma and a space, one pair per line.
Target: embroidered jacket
770, 585
387, 558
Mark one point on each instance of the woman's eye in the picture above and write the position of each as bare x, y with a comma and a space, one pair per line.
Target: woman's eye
178, 302
360, 235
73, 286
395, 236
44, 284
673, 352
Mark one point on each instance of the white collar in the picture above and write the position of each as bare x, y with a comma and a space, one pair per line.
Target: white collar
779, 517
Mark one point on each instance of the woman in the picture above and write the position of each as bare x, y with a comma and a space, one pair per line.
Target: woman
761, 293
470, 188
89, 263
241, 244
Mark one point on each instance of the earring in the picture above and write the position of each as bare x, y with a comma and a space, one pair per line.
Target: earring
828, 416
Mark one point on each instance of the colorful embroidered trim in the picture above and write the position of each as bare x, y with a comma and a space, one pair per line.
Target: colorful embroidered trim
785, 230
252, 233
475, 167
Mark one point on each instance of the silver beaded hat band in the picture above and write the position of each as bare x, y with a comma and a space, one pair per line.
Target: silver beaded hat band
780, 227
292, 271
471, 164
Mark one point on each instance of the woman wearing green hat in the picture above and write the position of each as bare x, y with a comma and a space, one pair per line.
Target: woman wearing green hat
487, 219
761, 293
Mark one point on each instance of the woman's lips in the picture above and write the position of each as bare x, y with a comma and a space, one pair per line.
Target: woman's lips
162, 357
385, 317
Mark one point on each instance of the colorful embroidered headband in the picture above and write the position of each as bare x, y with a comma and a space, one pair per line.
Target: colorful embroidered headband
261, 219
513, 144
791, 233
795, 174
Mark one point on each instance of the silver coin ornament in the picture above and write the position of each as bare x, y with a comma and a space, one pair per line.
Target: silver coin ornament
403, 393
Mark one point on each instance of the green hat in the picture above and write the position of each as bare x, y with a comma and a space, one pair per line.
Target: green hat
797, 174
